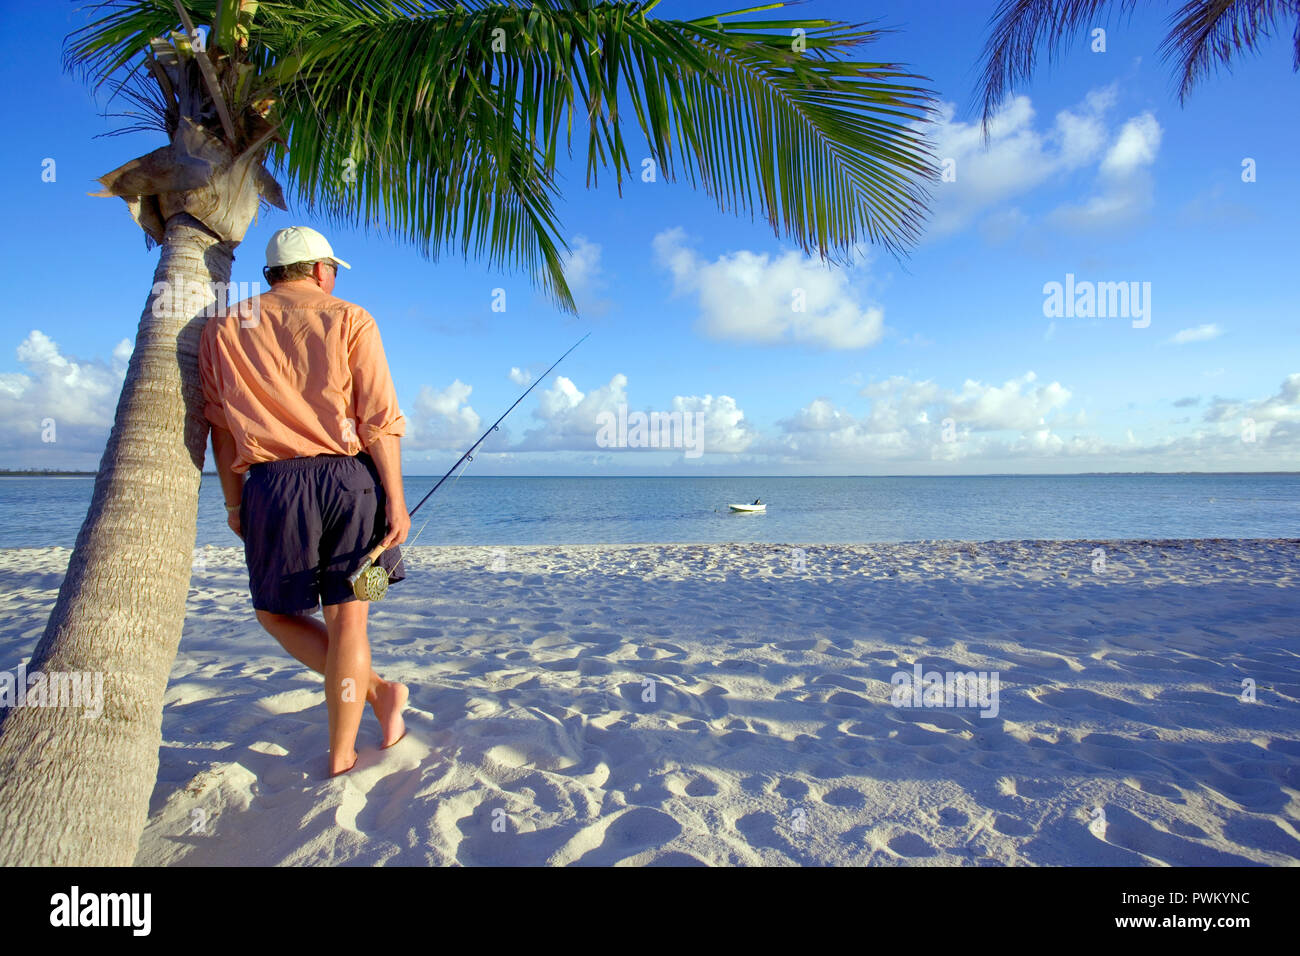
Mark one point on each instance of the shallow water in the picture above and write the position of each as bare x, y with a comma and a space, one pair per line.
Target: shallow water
37, 512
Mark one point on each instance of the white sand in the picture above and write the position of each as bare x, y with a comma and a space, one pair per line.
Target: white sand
1121, 735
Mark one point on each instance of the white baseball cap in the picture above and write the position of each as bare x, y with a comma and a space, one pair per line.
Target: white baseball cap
300, 244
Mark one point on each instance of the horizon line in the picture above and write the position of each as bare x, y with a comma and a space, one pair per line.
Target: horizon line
39, 472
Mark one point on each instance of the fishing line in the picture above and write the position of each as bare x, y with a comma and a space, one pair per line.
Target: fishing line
370, 581
411, 543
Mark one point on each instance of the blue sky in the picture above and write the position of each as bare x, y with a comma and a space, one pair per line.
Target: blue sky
942, 363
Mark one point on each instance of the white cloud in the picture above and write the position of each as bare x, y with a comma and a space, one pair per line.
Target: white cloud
898, 402
1201, 333
442, 418
520, 376
821, 432
1284, 406
745, 296
1016, 158
1125, 188
582, 270
922, 421
77, 396
724, 428
569, 416
1136, 146
571, 419
1082, 134
581, 263
1012, 405
921, 427
1020, 156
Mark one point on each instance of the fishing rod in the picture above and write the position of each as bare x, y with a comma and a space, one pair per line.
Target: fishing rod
370, 581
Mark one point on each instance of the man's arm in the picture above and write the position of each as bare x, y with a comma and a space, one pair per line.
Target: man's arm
387, 453
223, 442
232, 483
379, 420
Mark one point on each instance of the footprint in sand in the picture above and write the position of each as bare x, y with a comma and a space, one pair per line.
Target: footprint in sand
638, 830
791, 789
1011, 826
911, 845
845, 797
760, 830
839, 680
952, 817
682, 785
1032, 789
846, 700
701, 787
291, 702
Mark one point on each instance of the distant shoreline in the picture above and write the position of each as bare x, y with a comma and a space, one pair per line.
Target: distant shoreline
940, 546
10, 473
4, 473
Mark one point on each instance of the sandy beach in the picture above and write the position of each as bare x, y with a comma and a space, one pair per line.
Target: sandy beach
740, 704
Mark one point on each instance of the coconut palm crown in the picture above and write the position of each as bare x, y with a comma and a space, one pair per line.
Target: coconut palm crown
442, 120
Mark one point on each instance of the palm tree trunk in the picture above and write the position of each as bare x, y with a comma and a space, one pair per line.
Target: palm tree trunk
75, 790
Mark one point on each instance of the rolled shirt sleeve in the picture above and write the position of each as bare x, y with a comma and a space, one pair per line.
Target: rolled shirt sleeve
213, 408
374, 399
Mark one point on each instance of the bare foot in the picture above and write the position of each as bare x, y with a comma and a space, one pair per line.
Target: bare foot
343, 764
389, 701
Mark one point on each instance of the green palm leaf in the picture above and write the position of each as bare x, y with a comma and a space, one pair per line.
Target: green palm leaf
442, 120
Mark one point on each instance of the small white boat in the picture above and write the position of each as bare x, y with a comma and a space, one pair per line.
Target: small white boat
756, 506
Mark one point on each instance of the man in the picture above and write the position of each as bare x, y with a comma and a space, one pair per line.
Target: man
307, 436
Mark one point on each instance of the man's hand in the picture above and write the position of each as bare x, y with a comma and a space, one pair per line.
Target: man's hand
232, 519
399, 523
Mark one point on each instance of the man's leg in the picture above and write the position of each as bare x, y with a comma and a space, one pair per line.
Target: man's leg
307, 639
347, 672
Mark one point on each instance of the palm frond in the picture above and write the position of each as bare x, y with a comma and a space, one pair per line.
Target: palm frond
830, 150
443, 119
150, 114
1019, 30
1207, 34
838, 149
119, 33
369, 145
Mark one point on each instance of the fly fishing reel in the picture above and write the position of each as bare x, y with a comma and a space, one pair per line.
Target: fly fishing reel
370, 581
372, 584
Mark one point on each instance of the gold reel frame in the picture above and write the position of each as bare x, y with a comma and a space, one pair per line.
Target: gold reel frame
370, 581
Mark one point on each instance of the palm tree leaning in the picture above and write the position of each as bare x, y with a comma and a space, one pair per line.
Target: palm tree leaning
1203, 35
440, 121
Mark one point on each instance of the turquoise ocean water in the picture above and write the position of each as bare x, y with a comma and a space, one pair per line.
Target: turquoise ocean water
478, 510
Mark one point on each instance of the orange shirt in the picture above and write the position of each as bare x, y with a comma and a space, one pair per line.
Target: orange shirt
294, 373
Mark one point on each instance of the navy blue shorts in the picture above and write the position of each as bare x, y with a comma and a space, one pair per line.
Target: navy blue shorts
307, 524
